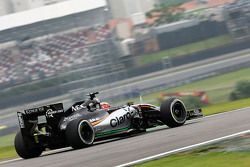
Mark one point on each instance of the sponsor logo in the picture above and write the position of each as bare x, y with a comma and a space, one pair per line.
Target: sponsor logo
120, 120
20, 119
34, 110
70, 118
78, 107
50, 113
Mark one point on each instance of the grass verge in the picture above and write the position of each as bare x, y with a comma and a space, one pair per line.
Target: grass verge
227, 106
186, 49
218, 88
7, 152
218, 159
227, 153
7, 140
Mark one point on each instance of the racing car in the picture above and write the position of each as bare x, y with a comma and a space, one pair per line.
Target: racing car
85, 122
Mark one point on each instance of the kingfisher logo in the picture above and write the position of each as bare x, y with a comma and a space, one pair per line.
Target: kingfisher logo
120, 120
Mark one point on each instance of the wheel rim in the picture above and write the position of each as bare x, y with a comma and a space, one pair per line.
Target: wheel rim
86, 132
178, 111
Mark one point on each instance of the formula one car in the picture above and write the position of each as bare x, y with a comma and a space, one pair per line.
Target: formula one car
52, 127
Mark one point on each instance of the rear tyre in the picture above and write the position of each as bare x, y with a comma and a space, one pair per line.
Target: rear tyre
26, 148
79, 134
173, 112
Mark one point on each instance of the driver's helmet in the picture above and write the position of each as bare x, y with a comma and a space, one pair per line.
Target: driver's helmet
105, 105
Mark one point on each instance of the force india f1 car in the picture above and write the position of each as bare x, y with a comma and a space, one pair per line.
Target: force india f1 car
52, 127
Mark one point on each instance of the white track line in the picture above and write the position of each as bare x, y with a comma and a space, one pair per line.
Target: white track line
3, 127
182, 149
9, 161
45, 153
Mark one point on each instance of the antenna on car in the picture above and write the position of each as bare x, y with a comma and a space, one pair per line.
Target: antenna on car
92, 95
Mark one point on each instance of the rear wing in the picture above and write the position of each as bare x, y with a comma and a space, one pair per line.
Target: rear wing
31, 120
50, 110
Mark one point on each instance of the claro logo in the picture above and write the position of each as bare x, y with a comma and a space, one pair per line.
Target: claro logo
120, 120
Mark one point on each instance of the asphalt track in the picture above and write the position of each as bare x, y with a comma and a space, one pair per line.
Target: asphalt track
125, 150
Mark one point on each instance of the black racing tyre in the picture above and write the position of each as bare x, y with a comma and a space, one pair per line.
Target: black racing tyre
173, 112
79, 134
26, 148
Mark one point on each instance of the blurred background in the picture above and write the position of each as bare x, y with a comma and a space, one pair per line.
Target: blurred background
59, 50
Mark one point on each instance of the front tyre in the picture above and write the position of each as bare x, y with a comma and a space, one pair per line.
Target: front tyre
25, 147
173, 112
79, 134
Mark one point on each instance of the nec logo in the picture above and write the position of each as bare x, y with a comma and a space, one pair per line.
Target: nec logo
78, 107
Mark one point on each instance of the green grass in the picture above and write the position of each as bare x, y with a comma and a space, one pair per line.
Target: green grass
227, 106
218, 82
7, 152
7, 140
218, 88
211, 159
186, 49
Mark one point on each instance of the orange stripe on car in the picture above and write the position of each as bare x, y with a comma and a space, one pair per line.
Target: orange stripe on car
99, 121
